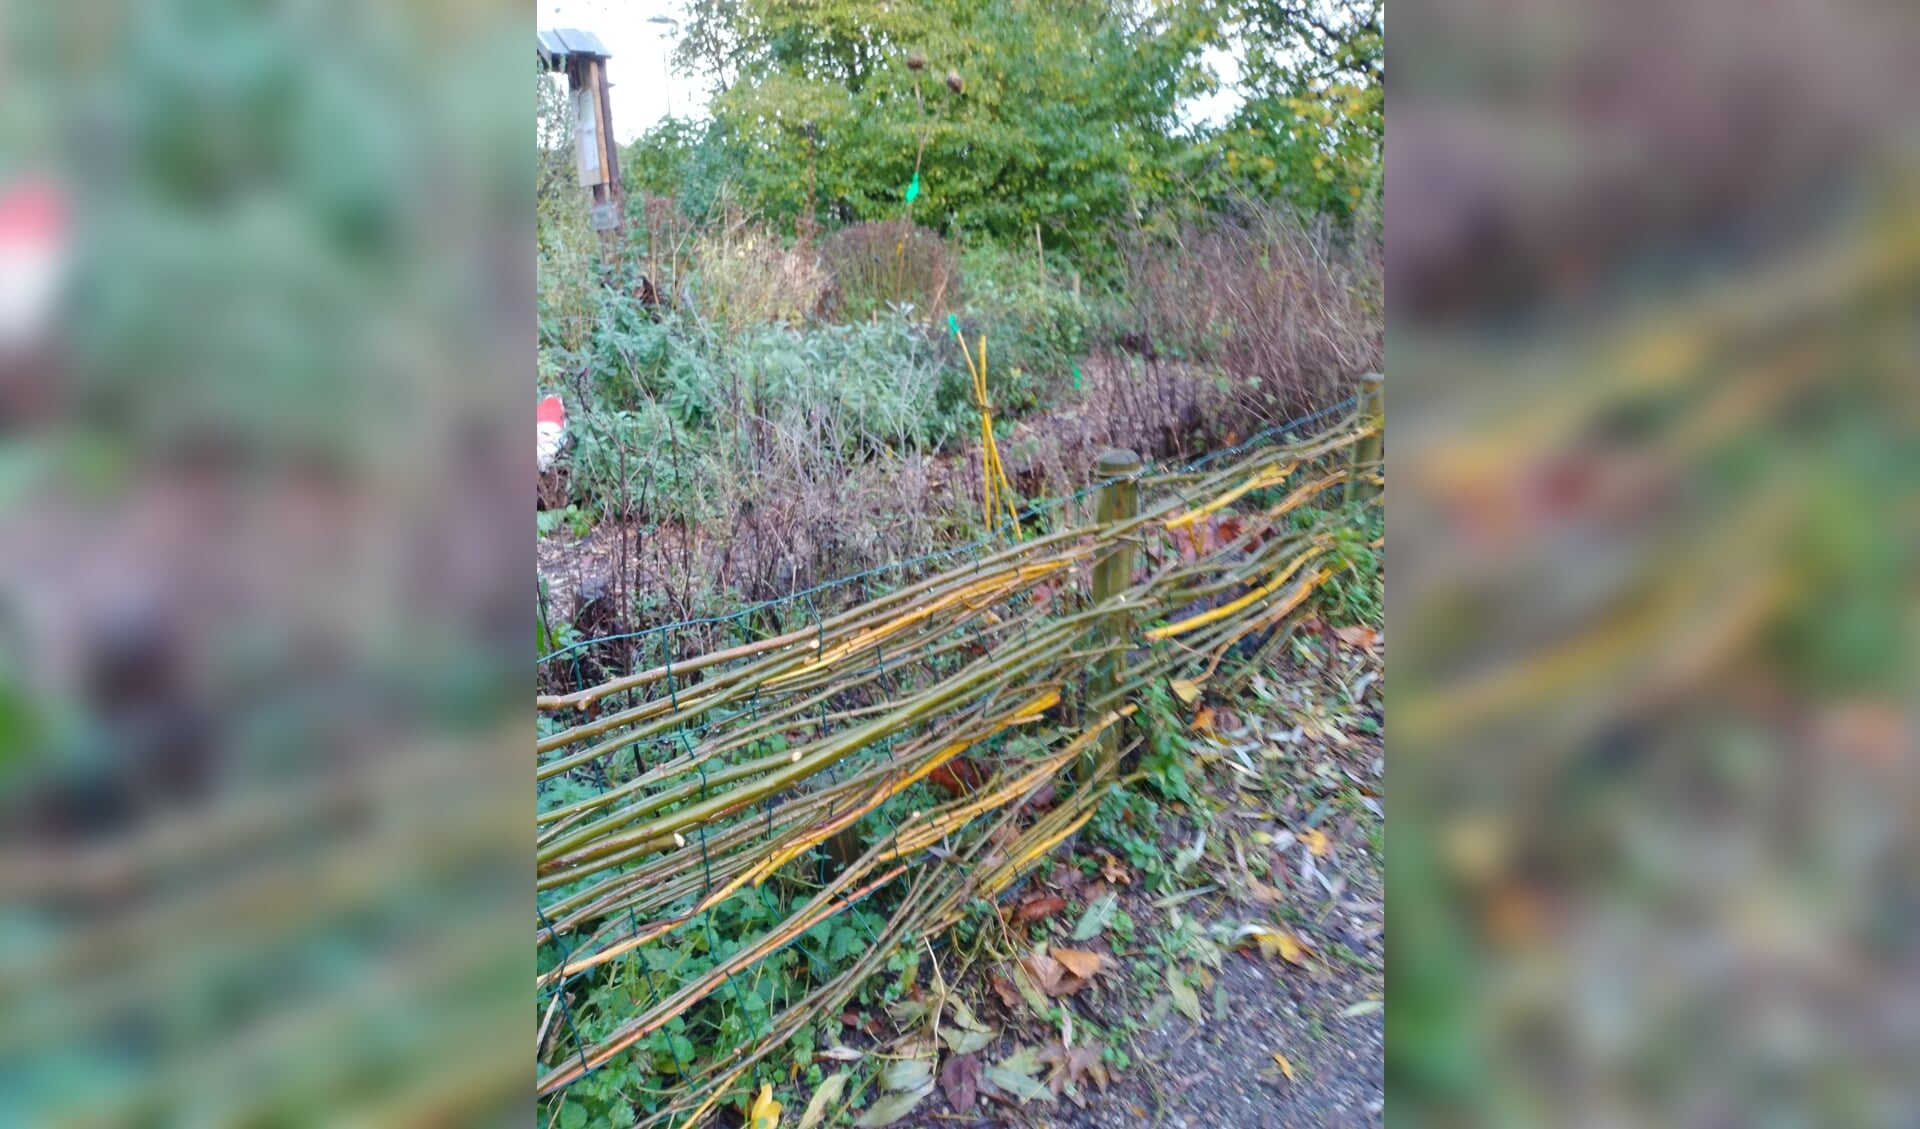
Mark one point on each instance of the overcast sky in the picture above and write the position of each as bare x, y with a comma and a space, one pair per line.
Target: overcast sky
642, 88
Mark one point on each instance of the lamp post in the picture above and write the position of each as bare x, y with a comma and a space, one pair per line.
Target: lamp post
666, 69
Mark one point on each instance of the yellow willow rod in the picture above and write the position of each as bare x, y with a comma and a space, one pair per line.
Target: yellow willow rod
1003, 487
788, 717
885, 791
637, 1030
731, 687
720, 1088
660, 882
1266, 476
1225, 610
832, 625
1000, 879
782, 770
945, 823
988, 591
1294, 500
893, 787
1279, 612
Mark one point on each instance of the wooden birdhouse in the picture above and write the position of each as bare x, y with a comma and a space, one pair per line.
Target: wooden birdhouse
583, 58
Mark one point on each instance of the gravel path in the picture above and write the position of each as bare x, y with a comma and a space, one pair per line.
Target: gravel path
1222, 1074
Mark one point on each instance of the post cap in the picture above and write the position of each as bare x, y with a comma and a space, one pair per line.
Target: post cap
1114, 462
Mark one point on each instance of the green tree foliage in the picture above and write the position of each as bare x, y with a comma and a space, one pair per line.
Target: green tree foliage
1313, 77
1067, 115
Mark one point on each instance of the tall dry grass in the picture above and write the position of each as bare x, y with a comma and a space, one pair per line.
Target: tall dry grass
746, 275
1288, 310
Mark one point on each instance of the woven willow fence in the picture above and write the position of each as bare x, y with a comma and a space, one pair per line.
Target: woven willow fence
799, 769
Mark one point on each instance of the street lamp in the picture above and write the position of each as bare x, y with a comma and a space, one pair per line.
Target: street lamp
666, 69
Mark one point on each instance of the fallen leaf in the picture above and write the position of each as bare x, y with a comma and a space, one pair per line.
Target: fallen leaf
1183, 995
1023, 981
1081, 964
1186, 689
1048, 974
1113, 870
1072, 1066
963, 1016
1286, 1067
765, 1113
841, 1054
1097, 917
827, 1095
1017, 1076
964, 1042
1003, 987
960, 1081
1026, 1060
1203, 720
1276, 943
1317, 842
1268, 894
1364, 1007
892, 1107
905, 1074
1039, 907
1358, 635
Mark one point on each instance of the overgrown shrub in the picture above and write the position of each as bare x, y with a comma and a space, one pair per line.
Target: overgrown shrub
1289, 311
892, 263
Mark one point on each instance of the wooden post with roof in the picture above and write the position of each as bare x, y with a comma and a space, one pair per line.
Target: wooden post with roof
583, 58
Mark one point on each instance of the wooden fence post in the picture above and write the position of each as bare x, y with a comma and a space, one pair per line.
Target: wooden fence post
1113, 574
1373, 408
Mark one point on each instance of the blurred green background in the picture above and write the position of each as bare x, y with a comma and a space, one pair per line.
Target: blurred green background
262, 582
1652, 273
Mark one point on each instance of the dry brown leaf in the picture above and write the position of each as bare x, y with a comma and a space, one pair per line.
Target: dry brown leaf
960, 1081
1052, 977
1203, 720
1072, 1066
1003, 987
1113, 870
1039, 907
1358, 635
1269, 895
1081, 964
